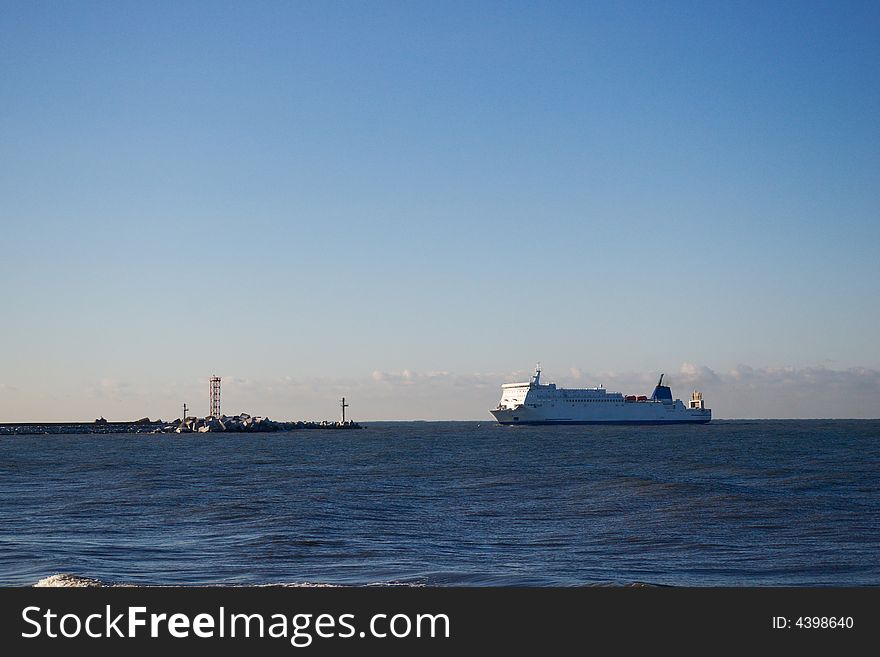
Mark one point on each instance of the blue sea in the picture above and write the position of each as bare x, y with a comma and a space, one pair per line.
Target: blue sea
450, 503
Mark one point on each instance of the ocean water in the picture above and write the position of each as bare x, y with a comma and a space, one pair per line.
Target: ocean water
450, 503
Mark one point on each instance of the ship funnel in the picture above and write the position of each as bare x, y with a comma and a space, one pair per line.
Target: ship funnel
662, 393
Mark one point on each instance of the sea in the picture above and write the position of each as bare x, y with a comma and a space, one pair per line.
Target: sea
731, 503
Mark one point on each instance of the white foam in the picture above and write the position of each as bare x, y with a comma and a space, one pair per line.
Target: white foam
65, 579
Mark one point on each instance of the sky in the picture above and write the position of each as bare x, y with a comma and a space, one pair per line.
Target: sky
410, 203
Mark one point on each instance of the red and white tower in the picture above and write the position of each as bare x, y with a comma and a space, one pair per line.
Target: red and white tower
215, 396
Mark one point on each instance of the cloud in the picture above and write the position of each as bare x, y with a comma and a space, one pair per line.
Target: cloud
754, 392
690, 373
433, 379
811, 379
744, 391
786, 392
110, 388
862, 378
235, 382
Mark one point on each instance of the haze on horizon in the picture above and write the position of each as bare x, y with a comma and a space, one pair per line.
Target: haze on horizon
409, 204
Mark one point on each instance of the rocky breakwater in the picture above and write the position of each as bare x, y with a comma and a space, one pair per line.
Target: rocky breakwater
245, 423
98, 426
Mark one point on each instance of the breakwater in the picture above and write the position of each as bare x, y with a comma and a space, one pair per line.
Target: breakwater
39, 428
242, 423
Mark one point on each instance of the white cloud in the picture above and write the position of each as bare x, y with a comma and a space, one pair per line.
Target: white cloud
110, 388
772, 392
755, 392
437, 379
690, 373
741, 392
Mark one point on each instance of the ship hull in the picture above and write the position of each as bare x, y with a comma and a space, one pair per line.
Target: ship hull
595, 422
647, 413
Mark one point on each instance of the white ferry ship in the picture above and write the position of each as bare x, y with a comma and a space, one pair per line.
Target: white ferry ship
534, 402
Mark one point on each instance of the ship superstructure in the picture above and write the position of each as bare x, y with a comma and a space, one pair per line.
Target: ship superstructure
534, 402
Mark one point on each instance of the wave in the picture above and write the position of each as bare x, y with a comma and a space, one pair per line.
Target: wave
69, 580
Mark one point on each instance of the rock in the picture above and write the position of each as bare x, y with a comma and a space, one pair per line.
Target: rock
247, 423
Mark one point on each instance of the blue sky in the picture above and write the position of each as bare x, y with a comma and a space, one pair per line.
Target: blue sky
413, 201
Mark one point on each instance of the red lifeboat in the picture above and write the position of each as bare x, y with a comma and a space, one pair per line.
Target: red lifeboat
630, 398
642, 398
